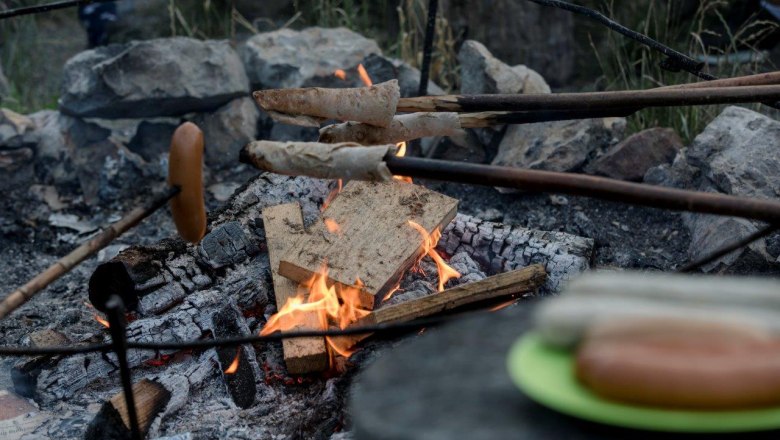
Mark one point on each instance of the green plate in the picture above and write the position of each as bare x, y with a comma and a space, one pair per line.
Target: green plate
546, 375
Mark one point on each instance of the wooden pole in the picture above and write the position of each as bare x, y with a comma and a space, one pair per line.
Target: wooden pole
262, 155
590, 101
587, 186
68, 262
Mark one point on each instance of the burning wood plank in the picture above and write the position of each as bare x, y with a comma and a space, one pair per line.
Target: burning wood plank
283, 224
373, 105
365, 237
517, 282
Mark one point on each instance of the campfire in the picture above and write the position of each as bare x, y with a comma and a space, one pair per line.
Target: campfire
256, 317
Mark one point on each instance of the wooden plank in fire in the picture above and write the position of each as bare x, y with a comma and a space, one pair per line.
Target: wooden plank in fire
283, 224
365, 235
514, 283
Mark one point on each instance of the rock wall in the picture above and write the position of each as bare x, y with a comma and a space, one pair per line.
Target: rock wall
121, 103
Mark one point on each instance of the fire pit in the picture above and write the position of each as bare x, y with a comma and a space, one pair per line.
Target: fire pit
257, 324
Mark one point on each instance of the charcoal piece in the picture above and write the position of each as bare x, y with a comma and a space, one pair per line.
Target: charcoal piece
226, 245
241, 383
500, 248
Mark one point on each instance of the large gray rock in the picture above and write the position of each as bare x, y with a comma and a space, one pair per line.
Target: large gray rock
12, 160
630, 159
382, 69
162, 77
90, 156
737, 154
679, 174
16, 131
555, 146
482, 73
542, 38
228, 130
289, 58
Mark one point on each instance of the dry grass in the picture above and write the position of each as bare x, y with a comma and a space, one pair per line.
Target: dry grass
412, 17
32, 54
628, 65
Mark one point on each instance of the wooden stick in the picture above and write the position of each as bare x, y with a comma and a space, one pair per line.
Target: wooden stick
590, 101
568, 183
68, 262
283, 226
520, 281
760, 79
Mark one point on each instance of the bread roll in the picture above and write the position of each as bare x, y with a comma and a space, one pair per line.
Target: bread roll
678, 364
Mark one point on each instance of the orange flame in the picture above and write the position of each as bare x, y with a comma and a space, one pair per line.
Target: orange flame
401, 153
392, 292
446, 272
340, 74
318, 304
501, 306
364, 76
332, 196
102, 321
332, 226
234, 365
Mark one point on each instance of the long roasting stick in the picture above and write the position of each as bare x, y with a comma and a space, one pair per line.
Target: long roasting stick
591, 101
309, 106
418, 125
261, 154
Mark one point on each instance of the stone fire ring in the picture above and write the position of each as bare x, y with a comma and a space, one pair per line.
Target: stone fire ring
452, 383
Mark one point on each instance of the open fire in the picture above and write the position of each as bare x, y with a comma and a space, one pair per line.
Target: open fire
335, 304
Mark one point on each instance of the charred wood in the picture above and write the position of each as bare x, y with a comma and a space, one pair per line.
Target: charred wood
501, 248
241, 379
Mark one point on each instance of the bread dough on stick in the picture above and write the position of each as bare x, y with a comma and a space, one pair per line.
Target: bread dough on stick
326, 161
403, 128
563, 322
373, 105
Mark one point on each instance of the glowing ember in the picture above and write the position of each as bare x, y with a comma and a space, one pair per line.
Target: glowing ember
332, 226
159, 360
336, 303
364, 76
340, 74
446, 272
234, 365
102, 321
502, 305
